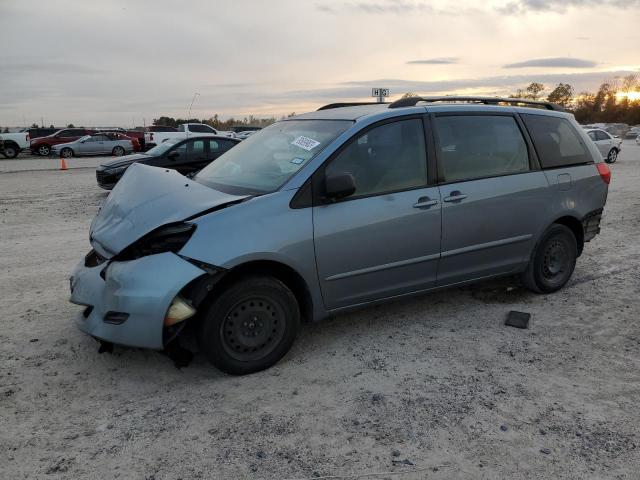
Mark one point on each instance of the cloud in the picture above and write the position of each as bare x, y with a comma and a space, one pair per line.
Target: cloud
380, 7
494, 85
555, 62
519, 7
435, 61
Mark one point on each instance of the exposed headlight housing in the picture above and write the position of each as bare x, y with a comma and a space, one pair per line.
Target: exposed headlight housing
169, 238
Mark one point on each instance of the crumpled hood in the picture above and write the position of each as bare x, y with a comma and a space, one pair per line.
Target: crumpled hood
147, 198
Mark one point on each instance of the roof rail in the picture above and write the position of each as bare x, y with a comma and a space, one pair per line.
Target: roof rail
352, 104
412, 101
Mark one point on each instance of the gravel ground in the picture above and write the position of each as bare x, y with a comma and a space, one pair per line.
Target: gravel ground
434, 387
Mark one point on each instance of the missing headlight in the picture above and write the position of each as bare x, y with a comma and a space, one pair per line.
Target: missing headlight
169, 238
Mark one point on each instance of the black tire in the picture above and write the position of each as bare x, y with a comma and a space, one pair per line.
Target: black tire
612, 156
10, 150
117, 151
66, 152
250, 325
553, 261
44, 150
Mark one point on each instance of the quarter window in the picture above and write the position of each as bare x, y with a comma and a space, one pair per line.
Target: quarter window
478, 146
201, 129
387, 158
556, 141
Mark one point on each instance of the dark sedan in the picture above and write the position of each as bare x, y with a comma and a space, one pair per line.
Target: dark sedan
185, 156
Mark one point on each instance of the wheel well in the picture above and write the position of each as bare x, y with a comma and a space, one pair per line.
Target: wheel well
287, 275
576, 227
12, 143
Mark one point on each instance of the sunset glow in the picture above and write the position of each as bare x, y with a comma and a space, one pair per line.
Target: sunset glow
631, 96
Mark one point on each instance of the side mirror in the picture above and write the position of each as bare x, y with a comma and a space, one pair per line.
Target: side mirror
339, 186
173, 155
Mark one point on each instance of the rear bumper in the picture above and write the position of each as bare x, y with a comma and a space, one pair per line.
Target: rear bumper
128, 306
591, 224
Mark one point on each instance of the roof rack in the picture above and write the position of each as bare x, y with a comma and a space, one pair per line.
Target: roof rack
412, 101
352, 104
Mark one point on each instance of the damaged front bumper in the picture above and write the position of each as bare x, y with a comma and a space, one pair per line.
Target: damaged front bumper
126, 302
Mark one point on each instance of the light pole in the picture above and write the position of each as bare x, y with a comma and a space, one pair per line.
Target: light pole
192, 100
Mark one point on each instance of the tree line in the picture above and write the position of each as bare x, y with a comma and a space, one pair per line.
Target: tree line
218, 124
616, 101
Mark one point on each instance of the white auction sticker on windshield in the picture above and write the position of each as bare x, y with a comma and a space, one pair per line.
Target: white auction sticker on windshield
306, 143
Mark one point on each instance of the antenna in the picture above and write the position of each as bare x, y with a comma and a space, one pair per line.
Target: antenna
192, 100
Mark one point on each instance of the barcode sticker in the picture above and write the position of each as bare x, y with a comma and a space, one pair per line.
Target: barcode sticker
305, 143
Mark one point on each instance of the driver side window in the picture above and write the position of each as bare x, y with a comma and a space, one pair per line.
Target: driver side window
385, 159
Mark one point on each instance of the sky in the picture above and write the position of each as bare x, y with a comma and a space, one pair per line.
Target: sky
126, 62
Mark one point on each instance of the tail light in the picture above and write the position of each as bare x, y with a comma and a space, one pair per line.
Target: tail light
26, 137
151, 137
604, 171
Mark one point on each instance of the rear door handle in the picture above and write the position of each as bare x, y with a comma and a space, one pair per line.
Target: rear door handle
425, 202
455, 197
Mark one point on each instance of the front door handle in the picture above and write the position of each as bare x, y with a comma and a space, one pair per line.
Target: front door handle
455, 196
425, 202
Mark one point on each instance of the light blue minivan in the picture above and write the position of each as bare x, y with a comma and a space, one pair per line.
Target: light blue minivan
335, 209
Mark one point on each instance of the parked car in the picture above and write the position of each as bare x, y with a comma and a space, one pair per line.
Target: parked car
185, 156
40, 132
185, 130
632, 133
42, 145
245, 134
96, 144
337, 209
608, 145
125, 136
11, 144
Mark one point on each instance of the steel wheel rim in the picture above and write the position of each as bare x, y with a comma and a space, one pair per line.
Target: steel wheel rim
253, 328
118, 151
66, 153
613, 155
43, 150
10, 151
555, 261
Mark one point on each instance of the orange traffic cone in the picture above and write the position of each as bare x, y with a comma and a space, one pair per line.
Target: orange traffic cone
63, 164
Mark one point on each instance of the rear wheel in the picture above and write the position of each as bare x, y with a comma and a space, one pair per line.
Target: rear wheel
612, 156
117, 151
66, 152
553, 261
250, 325
44, 150
10, 150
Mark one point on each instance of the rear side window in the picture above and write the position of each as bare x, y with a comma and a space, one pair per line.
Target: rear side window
600, 135
556, 141
386, 159
200, 129
478, 146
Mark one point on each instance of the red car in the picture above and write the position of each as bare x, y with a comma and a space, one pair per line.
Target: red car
125, 136
42, 146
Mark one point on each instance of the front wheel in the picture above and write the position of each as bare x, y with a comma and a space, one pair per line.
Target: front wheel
553, 262
66, 153
250, 325
44, 150
612, 156
117, 151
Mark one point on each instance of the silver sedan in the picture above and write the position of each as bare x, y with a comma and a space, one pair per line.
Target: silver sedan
97, 144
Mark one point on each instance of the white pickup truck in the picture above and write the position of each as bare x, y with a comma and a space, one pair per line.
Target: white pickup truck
11, 144
185, 130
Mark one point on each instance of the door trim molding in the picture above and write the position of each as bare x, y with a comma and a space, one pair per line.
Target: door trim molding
384, 266
482, 246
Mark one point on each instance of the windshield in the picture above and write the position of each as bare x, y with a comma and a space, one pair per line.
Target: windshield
163, 147
267, 159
